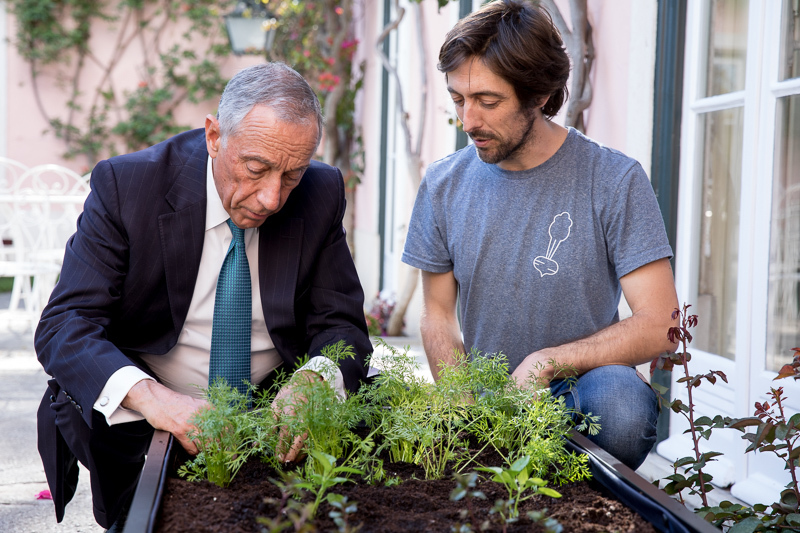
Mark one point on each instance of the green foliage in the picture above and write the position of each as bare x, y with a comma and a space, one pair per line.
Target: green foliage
412, 419
519, 483
322, 474
342, 511
99, 120
48, 29
292, 515
775, 432
225, 435
318, 40
465, 490
694, 479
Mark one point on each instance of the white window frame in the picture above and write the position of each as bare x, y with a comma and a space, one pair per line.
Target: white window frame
756, 478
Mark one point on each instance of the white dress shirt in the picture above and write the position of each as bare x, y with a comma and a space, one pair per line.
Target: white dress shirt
185, 368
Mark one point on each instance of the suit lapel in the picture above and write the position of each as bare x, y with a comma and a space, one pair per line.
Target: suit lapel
183, 232
279, 245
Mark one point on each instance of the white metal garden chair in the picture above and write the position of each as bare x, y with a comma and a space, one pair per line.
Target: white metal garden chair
41, 207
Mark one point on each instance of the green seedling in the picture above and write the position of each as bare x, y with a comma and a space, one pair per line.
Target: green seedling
549, 524
465, 490
324, 474
292, 515
342, 512
518, 482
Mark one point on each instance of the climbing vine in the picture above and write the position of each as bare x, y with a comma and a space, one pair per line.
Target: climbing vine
317, 39
182, 45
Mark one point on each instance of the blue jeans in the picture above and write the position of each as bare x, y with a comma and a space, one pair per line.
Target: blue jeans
626, 405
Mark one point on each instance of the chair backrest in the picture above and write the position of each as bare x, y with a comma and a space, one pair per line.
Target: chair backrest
44, 203
10, 172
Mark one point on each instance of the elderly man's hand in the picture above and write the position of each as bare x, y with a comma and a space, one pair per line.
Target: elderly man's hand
290, 395
165, 409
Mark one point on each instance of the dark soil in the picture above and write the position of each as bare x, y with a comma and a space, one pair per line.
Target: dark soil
413, 505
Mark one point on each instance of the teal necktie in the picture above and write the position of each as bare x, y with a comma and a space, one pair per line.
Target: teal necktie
233, 310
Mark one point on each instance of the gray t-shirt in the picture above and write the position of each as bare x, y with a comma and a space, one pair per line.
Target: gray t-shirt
537, 254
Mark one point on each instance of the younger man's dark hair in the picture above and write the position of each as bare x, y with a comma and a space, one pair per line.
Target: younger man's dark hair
519, 43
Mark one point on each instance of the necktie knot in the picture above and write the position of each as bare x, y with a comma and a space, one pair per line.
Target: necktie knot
238, 233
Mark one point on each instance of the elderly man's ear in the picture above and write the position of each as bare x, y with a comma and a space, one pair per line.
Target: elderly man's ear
213, 135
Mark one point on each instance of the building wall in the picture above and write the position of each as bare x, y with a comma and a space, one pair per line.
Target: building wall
30, 139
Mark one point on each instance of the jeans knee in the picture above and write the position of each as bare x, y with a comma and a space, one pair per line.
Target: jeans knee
627, 409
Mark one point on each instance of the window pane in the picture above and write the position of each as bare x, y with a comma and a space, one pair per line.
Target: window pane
727, 46
783, 317
719, 232
790, 50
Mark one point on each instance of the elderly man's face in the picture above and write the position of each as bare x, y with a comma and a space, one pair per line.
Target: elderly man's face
259, 165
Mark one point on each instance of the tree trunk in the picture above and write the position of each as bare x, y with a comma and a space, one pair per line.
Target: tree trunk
580, 47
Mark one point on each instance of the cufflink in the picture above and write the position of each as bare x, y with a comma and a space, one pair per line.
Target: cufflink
103, 401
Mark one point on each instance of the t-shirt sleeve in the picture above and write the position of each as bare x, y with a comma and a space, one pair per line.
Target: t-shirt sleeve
426, 243
635, 231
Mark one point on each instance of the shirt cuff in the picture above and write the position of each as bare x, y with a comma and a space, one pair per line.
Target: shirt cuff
115, 390
329, 371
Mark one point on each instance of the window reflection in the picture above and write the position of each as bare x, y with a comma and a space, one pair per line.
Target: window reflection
783, 317
790, 49
727, 46
719, 232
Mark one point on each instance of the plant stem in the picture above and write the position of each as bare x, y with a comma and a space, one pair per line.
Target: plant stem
690, 416
792, 468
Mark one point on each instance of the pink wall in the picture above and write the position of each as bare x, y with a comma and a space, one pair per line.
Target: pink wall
607, 116
29, 138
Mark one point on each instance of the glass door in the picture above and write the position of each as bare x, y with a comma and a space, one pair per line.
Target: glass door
738, 242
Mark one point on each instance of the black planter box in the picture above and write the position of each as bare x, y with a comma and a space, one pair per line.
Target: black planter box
652, 504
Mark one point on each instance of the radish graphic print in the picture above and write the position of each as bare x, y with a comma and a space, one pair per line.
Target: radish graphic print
559, 231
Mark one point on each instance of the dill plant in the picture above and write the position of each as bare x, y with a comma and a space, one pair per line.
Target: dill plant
411, 419
323, 417
225, 434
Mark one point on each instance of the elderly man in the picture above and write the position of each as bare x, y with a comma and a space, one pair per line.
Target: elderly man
537, 230
218, 253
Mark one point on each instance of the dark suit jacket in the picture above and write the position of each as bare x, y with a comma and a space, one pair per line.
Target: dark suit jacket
129, 271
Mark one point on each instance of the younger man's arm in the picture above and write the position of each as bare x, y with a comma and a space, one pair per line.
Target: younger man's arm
650, 292
441, 334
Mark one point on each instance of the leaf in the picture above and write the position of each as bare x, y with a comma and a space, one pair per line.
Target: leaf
793, 519
520, 464
748, 525
549, 492
739, 423
348, 470
660, 388
786, 371
795, 453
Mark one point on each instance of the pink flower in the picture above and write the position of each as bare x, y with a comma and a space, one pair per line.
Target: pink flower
307, 53
44, 495
330, 60
339, 10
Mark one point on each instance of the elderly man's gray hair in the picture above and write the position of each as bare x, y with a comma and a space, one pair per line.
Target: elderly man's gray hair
274, 85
